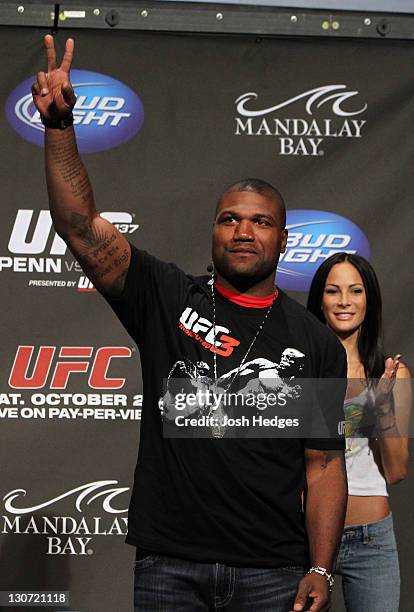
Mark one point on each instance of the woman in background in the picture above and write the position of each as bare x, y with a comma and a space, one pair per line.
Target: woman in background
345, 295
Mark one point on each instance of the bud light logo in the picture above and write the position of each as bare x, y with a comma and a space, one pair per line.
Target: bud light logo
315, 235
107, 112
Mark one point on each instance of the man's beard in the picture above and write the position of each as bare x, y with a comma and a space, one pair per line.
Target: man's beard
244, 279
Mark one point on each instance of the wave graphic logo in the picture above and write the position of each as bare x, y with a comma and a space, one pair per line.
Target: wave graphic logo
334, 94
86, 494
315, 235
107, 112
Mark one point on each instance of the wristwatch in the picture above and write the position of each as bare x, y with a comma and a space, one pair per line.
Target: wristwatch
58, 124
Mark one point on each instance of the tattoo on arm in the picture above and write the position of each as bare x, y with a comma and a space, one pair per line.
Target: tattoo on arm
97, 245
91, 237
71, 169
99, 256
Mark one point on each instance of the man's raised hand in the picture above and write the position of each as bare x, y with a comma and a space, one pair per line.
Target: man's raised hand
52, 91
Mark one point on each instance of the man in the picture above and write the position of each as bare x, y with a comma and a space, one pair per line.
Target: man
218, 523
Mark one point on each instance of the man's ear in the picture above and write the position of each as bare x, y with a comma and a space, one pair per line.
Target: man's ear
283, 242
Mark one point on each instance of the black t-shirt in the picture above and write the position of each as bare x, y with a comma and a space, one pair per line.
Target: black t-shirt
234, 501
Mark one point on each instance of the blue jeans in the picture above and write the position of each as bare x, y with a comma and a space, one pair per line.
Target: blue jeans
368, 563
166, 584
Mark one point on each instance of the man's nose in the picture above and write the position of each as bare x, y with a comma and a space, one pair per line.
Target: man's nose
244, 230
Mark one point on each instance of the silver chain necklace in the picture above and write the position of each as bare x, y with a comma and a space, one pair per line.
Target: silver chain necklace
219, 430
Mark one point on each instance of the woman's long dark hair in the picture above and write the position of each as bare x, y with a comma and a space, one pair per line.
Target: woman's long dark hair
370, 345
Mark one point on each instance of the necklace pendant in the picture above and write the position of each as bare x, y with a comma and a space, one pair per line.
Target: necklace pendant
217, 420
219, 426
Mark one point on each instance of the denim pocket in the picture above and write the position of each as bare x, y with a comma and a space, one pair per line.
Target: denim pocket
145, 562
384, 541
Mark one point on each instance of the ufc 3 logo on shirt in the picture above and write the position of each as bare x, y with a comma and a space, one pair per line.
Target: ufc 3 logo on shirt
202, 330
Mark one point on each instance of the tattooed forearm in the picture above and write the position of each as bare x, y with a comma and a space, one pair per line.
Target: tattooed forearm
81, 188
65, 159
101, 250
65, 156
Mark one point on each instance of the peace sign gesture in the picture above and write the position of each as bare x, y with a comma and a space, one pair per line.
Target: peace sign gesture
52, 91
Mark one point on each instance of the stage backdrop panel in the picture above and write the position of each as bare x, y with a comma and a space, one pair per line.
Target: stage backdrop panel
165, 123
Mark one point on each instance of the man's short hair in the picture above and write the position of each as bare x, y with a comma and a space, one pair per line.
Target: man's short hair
261, 187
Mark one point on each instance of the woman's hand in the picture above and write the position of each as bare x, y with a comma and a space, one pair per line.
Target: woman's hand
386, 384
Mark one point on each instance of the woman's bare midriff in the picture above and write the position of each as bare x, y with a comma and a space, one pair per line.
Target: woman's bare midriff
362, 510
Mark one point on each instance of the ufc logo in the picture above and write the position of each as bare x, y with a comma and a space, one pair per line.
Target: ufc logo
64, 367
42, 230
203, 330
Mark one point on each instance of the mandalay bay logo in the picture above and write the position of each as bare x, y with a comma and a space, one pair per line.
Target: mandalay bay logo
68, 522
329, 111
